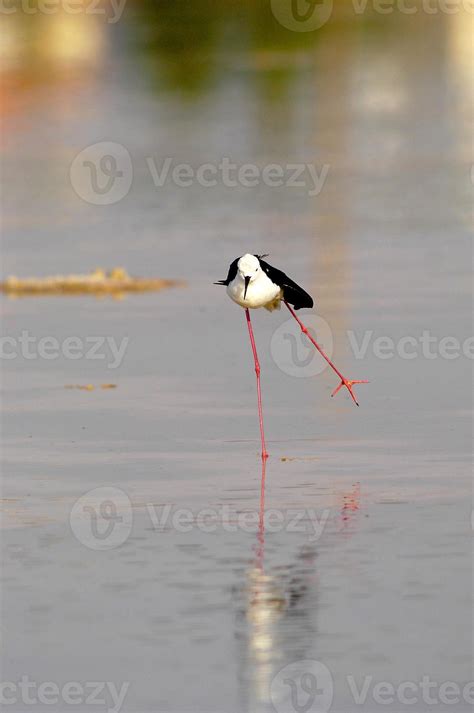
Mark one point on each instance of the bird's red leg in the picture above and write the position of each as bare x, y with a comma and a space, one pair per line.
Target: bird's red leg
344, 382
259, 393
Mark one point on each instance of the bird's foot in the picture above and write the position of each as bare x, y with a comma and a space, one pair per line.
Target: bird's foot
349, 384
265, 455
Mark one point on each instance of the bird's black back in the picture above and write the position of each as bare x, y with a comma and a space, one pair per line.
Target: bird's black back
292, 293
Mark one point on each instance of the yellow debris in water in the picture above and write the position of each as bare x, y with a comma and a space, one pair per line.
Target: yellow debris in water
82, 387
98, 282
89, 387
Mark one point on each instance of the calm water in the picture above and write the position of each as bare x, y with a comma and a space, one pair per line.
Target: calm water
365, 562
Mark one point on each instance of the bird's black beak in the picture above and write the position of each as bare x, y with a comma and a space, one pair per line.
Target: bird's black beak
247, 280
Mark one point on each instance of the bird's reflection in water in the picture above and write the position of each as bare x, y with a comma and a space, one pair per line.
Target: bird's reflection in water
275, 616
350, 505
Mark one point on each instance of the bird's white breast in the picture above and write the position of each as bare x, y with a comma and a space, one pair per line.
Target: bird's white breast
261, 292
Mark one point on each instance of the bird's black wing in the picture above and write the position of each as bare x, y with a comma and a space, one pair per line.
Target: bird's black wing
231, 274
292, 293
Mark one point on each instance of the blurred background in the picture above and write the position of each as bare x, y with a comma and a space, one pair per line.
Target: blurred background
383, 96
378, 98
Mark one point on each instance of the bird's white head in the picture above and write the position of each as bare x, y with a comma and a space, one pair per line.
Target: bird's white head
249, 269
249, 266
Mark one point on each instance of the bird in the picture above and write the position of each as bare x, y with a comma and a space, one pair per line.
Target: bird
252, 283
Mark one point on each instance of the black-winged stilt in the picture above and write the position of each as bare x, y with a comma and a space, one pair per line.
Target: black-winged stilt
253, 283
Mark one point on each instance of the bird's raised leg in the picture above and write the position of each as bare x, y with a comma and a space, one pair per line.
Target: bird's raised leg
259, 393
344, 382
